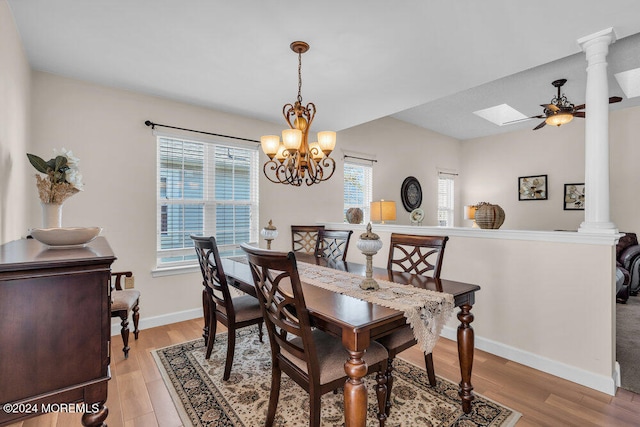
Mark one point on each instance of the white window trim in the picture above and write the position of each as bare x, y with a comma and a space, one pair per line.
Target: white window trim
368, 198
183, 267
447, 174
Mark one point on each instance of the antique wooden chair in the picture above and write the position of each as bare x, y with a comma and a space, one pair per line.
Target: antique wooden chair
312, 358
304, 238
333, 244
420, 255
234, 313
124, 301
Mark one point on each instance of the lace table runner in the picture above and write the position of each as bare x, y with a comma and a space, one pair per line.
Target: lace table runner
426, 311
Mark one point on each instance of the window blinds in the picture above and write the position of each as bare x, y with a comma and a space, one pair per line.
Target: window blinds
207, 190
358, 187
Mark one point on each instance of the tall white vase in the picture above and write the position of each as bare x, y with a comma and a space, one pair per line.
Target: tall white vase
51, 215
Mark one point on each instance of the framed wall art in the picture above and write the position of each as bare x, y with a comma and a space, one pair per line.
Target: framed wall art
532, 187
574, 197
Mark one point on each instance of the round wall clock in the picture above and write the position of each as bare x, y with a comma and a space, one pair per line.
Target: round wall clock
411, 194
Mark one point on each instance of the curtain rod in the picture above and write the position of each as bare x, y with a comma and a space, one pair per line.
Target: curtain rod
153, 126
359, 158
447, 173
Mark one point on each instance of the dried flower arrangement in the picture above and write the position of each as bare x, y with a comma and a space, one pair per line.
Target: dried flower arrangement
63, 178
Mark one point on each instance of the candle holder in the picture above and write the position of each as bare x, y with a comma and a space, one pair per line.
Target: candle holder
369, 244
269, 233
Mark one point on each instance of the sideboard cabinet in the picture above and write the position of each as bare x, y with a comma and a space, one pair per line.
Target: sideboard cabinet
54, 330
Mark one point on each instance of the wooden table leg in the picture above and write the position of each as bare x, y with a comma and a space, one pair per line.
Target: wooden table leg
355, 390
465, 355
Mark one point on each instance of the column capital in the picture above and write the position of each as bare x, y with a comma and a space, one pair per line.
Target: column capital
606, 36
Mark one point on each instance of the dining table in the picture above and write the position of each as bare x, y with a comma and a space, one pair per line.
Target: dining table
357, 322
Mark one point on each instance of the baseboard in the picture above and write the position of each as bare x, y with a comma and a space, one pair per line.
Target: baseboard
600, 383
165, 319
579, 376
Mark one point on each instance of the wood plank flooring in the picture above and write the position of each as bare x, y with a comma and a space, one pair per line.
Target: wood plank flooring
139, 398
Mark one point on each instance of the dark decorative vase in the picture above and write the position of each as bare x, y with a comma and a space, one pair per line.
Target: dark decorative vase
489, 216
354, 215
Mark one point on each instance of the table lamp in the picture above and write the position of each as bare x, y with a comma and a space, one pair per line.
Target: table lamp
383, 210
470, 213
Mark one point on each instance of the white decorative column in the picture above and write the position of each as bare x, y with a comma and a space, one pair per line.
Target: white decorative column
596, 170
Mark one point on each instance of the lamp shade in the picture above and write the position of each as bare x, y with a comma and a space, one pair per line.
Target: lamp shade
292, 138
470, 212
558, 119
282, 153
327, 141
383, 210
270, 144
315, 151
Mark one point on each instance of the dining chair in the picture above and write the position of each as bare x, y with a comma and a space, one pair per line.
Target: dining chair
234, 313
304, 238
421, 255
312, 358
125, 300
333, 244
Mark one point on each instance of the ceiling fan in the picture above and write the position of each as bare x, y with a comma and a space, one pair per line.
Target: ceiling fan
560, 111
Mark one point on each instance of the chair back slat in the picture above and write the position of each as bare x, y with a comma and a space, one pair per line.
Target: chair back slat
214, 279
304, 238
275, 276
333, 244
420, 255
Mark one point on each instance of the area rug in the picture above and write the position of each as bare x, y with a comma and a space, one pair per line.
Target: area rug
203, 399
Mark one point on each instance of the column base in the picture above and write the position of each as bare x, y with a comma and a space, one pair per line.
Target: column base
598, 227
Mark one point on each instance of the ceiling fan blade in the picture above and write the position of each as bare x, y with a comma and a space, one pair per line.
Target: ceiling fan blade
541, 125
579, 114
612, 100
551, 107
522, 120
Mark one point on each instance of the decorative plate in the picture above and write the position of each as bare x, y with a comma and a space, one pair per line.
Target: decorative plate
65, 237
416, 215
411, 194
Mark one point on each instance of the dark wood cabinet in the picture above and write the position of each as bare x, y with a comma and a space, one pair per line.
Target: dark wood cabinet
54, 329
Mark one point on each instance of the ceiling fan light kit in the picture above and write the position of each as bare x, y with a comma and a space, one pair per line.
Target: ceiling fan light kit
560, 111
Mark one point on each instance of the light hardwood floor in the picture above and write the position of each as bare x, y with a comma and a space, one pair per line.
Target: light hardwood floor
139, 398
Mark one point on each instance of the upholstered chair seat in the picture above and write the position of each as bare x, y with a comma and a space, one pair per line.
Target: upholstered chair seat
123, 302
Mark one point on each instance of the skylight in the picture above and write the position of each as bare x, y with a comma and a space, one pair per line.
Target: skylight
629, 81
500, 114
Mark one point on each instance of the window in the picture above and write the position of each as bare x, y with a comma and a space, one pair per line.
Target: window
206, 189
358, 188
446, 183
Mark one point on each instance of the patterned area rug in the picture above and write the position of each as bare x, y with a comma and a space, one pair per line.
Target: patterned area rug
203, 399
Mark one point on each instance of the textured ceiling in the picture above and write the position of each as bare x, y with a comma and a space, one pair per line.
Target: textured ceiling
431, 63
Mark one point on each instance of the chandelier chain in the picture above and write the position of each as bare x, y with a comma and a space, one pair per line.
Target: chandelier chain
300, 77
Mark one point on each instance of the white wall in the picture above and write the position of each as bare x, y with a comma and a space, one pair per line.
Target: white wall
403, 150
624, 142
493, 164
15, 173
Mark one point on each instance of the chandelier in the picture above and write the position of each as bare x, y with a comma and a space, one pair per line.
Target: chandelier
294, 160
